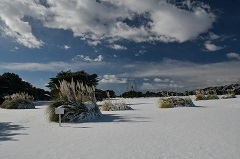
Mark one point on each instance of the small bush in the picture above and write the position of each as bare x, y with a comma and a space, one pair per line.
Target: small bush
172, 102
18, 101
109, 106
205, 95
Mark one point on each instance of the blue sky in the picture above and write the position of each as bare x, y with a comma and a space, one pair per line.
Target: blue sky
156, 44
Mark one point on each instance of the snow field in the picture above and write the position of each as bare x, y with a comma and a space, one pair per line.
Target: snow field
210, 130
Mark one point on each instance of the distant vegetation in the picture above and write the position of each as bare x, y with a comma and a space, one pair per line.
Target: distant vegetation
228, 91
11, 83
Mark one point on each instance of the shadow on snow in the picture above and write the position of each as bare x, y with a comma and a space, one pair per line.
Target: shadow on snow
8, 131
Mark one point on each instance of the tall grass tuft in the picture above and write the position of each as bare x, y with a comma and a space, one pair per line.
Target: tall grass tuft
77, 99
108, 105
18, 101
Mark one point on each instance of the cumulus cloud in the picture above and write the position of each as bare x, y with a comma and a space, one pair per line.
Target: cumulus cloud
108, 20
12, 24
211, 47
112, 79
233, 56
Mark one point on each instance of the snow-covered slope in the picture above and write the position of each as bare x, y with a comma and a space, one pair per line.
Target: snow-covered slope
211, 130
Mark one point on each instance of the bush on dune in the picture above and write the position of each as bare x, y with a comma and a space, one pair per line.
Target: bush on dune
18, 101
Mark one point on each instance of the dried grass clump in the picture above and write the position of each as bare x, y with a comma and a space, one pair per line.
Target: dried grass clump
205, 95
108, 105
172, 102
230, 94
18, 101
78, 101
76, 92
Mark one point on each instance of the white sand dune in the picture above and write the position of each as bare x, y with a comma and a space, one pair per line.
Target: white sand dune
209, 131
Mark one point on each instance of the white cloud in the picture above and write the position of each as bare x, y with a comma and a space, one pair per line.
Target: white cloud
106, 20
213, 36
66, 47
147, 86
211, 47
12, 24
99, 58
112, 79
117, 47
161, 80
93, 42
233, 56
141, 52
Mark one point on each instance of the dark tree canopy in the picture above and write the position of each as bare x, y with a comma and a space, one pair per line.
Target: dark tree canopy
11, 83
82, 76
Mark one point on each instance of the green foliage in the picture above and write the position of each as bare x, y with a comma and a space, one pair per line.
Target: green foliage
173, 102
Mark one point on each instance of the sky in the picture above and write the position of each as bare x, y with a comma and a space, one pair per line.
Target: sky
150, 45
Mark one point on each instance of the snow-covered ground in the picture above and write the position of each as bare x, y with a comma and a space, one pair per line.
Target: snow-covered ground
209, 131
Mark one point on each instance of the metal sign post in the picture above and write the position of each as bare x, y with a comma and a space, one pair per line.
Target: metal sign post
59, 111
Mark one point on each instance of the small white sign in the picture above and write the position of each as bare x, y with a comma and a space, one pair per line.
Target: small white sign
59, 110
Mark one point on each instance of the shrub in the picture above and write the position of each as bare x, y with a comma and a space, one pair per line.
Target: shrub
172, 102
230, 94
109, 106
18, 101
78, 101
205, 95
